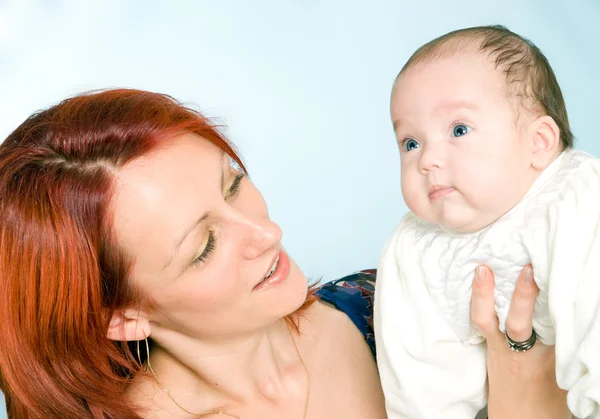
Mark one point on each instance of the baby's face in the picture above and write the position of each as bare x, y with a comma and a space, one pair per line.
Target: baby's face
465, 160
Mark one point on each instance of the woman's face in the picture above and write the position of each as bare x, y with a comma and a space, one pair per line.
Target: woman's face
202, 242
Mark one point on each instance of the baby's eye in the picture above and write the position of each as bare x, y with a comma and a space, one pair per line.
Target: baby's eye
460, 130
410, 144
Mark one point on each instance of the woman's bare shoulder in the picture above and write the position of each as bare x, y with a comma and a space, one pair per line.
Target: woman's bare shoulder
342, 364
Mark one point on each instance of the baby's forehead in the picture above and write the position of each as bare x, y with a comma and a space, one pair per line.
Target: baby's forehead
452, 68
459, 81
466, 54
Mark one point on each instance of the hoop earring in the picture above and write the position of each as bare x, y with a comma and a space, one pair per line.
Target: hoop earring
148, 365
137, 344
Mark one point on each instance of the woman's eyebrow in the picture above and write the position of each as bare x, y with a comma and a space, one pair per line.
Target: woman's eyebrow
199, 221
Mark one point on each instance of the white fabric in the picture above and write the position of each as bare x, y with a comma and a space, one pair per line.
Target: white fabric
431, 358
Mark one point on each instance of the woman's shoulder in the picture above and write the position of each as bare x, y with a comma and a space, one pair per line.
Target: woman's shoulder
354, 296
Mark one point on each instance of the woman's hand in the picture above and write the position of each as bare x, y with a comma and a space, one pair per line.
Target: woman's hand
521, 384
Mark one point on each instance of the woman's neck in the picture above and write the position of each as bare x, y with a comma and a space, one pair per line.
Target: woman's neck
202, 374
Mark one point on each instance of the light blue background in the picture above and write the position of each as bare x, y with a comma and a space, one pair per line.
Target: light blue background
302, 85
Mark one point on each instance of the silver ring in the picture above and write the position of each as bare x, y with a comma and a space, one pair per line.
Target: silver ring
522, 346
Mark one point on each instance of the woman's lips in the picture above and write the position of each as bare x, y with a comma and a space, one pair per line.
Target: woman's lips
281, 273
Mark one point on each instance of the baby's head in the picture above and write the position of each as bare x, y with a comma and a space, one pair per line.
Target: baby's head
478, 115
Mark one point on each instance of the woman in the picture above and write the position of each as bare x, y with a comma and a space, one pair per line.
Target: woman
127, 217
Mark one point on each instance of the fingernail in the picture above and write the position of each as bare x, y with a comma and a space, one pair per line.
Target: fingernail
528, 276
480, 273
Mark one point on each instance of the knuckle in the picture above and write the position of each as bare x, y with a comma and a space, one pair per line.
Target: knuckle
484, 323
518, 329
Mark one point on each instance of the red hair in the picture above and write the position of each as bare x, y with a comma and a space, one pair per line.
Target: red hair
62, 275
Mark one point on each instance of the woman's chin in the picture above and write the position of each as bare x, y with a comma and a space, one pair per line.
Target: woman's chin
289, 295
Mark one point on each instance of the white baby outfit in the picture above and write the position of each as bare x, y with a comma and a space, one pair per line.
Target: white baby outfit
431, 357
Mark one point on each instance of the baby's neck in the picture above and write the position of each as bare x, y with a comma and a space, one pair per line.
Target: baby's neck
542, 177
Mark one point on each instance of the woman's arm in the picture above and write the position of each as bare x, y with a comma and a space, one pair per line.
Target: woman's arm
521, 384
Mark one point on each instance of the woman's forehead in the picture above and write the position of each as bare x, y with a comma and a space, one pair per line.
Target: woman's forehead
176, 151
160, 194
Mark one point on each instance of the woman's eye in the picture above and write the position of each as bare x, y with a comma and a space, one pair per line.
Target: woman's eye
410, 144
208, 249
235, 185
460, 130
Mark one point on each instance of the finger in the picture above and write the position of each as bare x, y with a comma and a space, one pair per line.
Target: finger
483, 311
520, 315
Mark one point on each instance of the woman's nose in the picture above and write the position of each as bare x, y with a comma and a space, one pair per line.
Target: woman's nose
260, 235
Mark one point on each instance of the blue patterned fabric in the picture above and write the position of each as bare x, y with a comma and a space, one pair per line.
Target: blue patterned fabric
354, 294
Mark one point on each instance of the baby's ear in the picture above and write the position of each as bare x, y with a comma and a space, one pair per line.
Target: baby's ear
128, 325
545, 137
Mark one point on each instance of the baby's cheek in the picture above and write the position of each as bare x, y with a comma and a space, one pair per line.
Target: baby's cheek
414, 199
406, 189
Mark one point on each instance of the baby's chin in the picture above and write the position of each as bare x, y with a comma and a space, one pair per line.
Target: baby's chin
462, 221
473, 225
454, 214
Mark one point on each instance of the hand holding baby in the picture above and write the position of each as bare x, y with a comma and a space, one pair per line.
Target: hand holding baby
527, 383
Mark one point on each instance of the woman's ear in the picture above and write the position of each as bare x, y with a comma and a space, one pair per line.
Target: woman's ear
128, 325
545, 137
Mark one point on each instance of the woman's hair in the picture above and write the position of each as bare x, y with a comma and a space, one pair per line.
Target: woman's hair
62, 275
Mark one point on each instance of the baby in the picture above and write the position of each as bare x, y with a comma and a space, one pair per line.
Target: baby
490, 177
